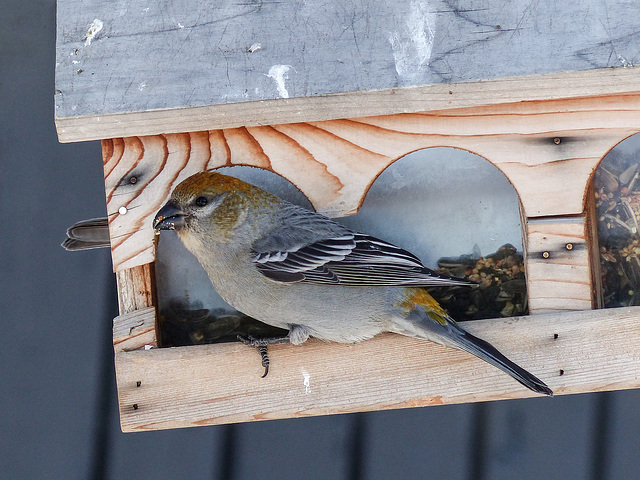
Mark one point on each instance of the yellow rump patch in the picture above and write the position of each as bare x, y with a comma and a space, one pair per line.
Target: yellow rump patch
418, 297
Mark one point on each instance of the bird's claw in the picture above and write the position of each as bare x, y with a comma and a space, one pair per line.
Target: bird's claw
265, 359
261, 344
251, 341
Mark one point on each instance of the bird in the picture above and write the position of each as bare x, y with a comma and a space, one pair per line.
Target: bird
87, 234
293, 268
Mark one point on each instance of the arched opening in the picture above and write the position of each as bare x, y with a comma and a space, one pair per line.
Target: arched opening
616, 185
460, 215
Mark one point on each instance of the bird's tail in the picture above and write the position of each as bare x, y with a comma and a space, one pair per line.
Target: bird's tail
421, 309
487, 352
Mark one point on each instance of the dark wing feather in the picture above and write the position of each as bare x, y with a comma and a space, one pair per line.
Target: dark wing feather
350, 259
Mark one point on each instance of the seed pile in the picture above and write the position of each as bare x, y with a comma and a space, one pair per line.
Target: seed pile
501, 291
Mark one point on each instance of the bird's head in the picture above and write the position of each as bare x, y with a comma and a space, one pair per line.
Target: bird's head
208, 202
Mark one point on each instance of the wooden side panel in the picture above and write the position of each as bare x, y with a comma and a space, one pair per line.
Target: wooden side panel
557, 265
136, 288
134, 331
136, 297
593, 245
547, 149
213, 384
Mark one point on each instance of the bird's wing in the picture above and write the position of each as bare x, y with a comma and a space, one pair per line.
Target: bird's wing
329, 253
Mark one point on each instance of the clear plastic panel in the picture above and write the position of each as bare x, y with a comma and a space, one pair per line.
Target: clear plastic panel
617, 197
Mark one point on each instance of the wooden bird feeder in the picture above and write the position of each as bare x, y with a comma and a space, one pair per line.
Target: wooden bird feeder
328, 95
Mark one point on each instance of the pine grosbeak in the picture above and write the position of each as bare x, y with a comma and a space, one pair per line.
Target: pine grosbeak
295, 269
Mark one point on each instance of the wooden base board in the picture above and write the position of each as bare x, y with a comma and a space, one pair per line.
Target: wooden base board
573, 352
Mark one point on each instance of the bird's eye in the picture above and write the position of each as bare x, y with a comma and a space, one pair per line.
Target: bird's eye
201, 201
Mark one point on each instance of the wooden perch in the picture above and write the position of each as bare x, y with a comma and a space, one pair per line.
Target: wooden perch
573, 352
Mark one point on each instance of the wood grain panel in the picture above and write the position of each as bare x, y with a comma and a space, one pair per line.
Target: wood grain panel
548, 150
557, 265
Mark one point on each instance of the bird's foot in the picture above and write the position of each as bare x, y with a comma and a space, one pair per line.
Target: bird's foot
265, 359
261, 344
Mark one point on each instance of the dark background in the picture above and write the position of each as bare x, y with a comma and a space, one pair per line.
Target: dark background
58, 402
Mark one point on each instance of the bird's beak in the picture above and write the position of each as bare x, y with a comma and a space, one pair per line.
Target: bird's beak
170, 217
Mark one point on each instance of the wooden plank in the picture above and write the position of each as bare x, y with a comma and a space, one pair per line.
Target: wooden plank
548, 150
593, 245
136, 288
213, 384
359, 104
557, 265
134, 331
112, 62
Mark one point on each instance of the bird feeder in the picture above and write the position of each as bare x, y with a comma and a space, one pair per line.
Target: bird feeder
328, 96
